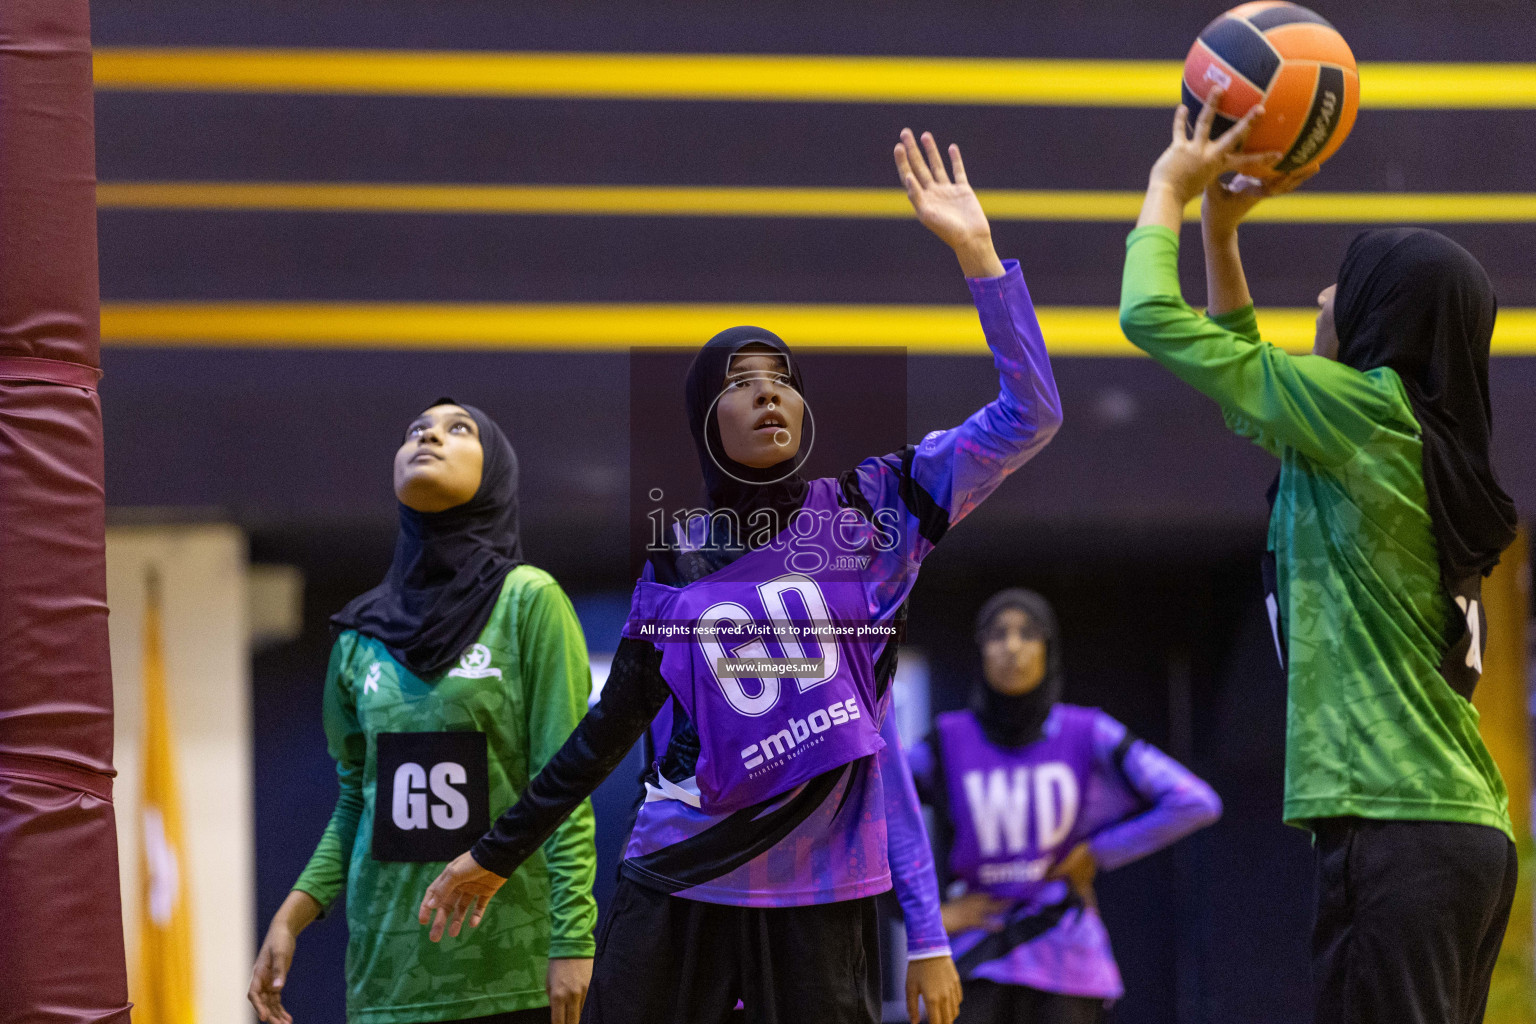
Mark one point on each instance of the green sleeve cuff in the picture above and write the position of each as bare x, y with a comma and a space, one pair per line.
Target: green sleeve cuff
1151, 231
572, 949
322, 894
1244, 321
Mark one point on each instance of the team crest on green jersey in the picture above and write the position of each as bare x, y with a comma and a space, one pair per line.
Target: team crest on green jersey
476, 664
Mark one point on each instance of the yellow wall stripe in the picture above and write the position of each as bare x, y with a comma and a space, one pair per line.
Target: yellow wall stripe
812, 79
709, 201
1069, 330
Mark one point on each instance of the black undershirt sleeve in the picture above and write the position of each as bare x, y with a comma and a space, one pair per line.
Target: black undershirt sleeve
633, 694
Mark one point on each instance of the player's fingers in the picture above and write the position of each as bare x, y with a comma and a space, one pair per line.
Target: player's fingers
1208, 115
258, 1001
479, 912
914, 190
461, 909
943, 1010
1180, 124
958, 164
915, 161
430, 900
912, 1008
439, 922
261, 983
1234, 136
903, 169
935, 160
1249, 162
269, 1006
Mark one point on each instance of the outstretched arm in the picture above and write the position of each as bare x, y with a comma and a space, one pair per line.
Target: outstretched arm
1323, 409
939, 481
633, 694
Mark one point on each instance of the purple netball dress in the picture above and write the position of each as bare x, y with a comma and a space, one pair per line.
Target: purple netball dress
868, 824
794, 789
1016, 812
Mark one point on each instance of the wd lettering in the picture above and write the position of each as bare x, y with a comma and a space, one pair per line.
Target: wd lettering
432, 798
1015, 811
1000, 799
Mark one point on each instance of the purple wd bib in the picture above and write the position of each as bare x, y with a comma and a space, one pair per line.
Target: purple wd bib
727, 641
1015, 812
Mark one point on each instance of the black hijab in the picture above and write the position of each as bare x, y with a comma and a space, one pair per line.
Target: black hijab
1016, 720
448, 568
1415, 301
729, 484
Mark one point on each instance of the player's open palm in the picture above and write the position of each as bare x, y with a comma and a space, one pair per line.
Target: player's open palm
946, 207
462, 889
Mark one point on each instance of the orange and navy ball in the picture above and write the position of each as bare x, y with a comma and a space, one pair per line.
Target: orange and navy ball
1291, 60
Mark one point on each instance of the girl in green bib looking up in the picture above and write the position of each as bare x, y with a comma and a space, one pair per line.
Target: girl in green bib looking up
450, 684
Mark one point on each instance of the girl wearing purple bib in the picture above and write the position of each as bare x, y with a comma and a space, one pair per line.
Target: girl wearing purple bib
757, 657
1032, 797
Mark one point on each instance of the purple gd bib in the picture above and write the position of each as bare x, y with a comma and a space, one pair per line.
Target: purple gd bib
1015, 812
772, 656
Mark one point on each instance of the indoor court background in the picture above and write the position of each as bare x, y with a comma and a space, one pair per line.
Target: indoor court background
255, 377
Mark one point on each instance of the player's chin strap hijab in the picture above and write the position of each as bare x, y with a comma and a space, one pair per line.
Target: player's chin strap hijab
728, 483
1415, 301
449, 566
1017, 720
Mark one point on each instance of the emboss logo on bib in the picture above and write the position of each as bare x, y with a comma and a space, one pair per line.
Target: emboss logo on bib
476, 664
799, 730
432, 795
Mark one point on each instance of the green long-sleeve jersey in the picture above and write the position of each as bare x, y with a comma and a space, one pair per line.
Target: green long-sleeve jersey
524, 686
1372, 727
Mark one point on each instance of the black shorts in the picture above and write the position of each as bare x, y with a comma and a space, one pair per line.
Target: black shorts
988, 1002
1410, 916
667, 960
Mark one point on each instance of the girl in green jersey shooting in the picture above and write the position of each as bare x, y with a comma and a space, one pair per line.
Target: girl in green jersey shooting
1386, 515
